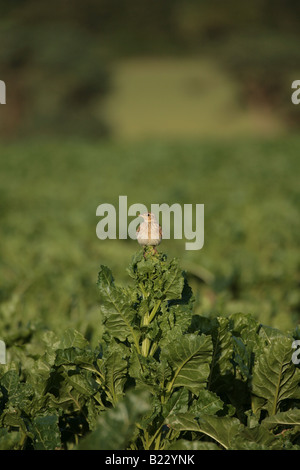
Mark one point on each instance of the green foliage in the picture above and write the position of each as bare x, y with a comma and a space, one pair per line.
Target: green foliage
49, 249
197, 371
162, 376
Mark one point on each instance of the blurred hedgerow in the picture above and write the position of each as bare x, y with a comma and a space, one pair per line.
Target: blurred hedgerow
57, 78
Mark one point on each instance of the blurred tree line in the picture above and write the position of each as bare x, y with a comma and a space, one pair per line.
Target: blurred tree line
55, 56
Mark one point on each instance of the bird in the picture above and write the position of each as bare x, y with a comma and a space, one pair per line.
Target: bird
149, 232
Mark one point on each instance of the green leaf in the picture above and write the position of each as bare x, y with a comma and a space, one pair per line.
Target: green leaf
222, 429
116, 308
183, 444
152, 418
246, 342
207, 403
284, 418
222, 370
10, 382
245, 327
226, 431
116, 426
256, 438
275, 377
73, 355
9, 440
190, 361
15, 392
115, 374
173, 281
268, 334
178, 402
72, 339
157, 277
46, 432
82, 383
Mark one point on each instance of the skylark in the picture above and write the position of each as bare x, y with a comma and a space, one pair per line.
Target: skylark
149, 232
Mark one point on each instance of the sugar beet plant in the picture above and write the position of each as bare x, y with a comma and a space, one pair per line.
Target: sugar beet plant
161, 378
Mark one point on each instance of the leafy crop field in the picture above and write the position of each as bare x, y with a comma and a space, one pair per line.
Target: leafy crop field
183, 350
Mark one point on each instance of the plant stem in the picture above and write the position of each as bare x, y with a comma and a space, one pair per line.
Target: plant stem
145, 347
154, 310
154, 437
143, 290
146, 322
153, 349
157, 442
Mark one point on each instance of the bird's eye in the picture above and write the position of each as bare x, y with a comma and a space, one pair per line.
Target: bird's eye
148, 214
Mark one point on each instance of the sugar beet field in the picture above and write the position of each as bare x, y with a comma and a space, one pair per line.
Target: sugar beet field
110, 349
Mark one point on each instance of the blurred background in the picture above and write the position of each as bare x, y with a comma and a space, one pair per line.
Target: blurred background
198, 67
169, 101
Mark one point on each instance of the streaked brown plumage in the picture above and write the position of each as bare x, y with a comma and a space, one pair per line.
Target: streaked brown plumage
149, 232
